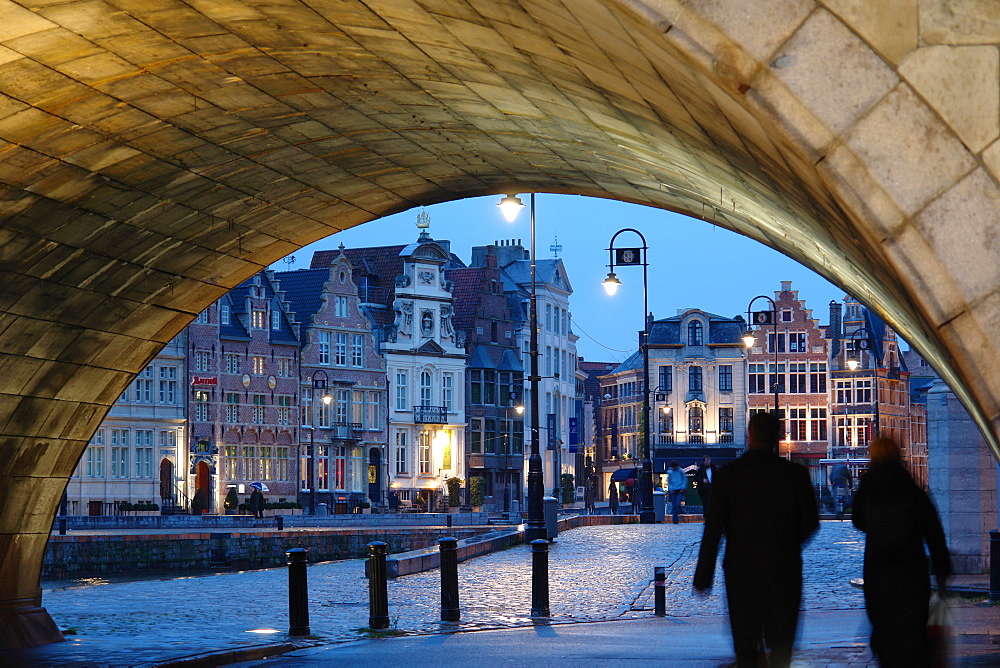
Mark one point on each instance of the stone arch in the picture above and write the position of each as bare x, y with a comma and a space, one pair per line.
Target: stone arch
146, 168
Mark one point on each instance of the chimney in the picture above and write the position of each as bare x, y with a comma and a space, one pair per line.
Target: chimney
836, 324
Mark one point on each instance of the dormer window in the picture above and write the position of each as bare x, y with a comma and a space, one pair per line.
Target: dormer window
224, 314
276, 320
695, 333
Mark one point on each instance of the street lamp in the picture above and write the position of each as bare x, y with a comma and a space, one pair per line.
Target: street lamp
317, 384
758, 318
629, 257
866, 342
510, 206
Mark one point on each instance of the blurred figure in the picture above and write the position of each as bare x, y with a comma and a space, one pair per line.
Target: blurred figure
676, 485
843, 483
704, 476
765, 507
898, 518
613, 498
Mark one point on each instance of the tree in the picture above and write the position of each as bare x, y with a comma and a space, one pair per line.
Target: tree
476, 491
232, 501
454, 492
568, 489
200, 502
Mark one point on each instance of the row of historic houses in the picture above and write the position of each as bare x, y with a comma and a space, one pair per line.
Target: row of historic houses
370, 378
378, 374
833, 384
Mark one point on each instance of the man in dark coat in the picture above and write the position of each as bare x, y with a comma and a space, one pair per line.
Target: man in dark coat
898, 518
256, 505
704, 477
764, 505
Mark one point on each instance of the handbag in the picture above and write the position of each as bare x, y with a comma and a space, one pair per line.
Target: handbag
938, 631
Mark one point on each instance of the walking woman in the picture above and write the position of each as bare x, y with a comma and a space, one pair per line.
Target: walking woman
898, 519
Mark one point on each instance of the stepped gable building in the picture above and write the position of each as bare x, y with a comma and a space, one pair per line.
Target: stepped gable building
138, 453
341, 443
404, 292
243, 375
802, 375
697, 366
494, 406
557, 352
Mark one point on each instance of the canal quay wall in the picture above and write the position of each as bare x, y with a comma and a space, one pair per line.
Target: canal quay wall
130, 550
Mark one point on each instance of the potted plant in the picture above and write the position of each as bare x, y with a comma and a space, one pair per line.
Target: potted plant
454, 493
476, 493
232, 501
365, 507
199, 504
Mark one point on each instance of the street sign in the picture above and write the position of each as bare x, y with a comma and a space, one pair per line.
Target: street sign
761, 317
628, 256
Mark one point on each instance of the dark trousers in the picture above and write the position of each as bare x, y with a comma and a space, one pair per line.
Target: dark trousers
763, 617
675, 505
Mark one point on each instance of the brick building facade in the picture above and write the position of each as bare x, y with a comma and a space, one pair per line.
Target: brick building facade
794, 352
341, 443
494, 381
243, 378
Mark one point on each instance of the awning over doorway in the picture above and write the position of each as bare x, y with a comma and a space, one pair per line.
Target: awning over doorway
621, 475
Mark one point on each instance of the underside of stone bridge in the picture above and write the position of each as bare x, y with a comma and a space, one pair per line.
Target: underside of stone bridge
156, 153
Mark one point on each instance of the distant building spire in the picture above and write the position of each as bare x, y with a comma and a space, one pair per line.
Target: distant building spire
556, 247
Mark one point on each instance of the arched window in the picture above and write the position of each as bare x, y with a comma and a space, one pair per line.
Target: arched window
425, 388
695, 333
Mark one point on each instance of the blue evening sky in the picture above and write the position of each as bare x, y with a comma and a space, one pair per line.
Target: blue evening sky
692, 264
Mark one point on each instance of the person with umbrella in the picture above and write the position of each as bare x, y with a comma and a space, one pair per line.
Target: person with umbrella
256, 505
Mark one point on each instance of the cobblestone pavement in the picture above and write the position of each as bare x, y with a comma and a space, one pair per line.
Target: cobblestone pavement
596, 573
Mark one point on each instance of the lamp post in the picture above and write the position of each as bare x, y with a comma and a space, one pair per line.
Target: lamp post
866, 342
317, 384
764, 318
510, 206
628, 257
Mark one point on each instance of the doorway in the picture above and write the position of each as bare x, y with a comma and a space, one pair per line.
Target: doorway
202, 483
374, 479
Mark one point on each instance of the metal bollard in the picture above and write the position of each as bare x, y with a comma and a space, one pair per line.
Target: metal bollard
994, 566
298, 594
62, 526
539, 578
449, 520
281, 522
378, 587
660, 591
450, 610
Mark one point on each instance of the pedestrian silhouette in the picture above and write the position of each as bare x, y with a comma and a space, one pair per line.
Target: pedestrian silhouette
898, 518
613, 498
704, 477
764, 506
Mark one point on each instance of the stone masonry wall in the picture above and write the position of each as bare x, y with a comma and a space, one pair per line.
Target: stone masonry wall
85, 556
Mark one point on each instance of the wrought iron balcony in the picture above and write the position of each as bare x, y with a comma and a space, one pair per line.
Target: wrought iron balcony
346, 431
430, 414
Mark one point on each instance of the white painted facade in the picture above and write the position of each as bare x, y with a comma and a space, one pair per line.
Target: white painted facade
425, 362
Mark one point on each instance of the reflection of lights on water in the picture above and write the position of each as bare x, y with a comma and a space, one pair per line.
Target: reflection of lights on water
846, 542
263, 631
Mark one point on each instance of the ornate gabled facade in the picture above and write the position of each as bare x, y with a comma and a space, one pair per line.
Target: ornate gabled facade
243, 378
408, 298
342, 444
494, 381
